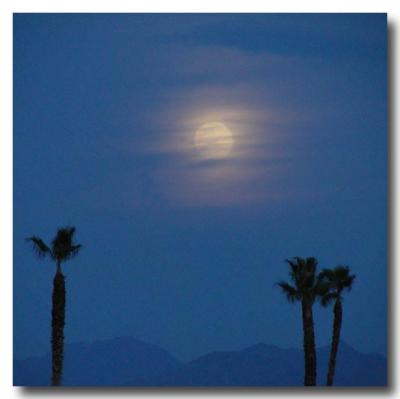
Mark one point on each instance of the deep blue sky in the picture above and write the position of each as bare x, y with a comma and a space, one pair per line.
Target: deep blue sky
185, 253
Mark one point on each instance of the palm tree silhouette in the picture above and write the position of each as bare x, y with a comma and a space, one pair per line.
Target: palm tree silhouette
306, 287
62, 248
338, 280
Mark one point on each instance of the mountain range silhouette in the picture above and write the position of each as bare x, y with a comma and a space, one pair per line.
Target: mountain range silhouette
126, 361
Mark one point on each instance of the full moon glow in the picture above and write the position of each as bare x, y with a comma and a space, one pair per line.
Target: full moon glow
213, 140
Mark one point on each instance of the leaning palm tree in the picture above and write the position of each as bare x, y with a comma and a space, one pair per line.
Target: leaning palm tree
306, 287
62, 248
338, 280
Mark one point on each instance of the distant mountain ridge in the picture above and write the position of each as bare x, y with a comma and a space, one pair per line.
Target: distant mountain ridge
101, 363
126, 361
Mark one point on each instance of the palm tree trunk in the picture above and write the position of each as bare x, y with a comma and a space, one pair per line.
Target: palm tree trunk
310, 358
57, 324
337, 325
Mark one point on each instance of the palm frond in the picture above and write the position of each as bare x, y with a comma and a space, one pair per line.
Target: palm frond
293, 264
303, 274
350, 282
291, 293
343, 277
340, 278
39, 246
75, 249
337, 279
327, 298
322, 286
296, 265
63, 247
325, 274
299, 261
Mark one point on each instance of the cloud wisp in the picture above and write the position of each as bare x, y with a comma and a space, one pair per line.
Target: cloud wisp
241, 177
241, 90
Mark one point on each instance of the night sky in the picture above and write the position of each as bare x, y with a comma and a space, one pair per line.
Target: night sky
178, 249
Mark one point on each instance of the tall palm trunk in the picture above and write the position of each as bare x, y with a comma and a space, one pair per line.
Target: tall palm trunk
310, 358
337, 325
57, 324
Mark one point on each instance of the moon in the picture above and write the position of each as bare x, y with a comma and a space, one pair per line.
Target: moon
213, 141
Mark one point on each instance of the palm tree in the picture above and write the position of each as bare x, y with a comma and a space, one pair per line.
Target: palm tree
306, 287
338, 280
62, 248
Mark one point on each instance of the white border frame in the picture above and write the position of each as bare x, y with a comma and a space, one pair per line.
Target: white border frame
8, 7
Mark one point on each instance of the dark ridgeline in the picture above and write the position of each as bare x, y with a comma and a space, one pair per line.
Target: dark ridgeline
62, 249
129, 362
305, 289
338, 280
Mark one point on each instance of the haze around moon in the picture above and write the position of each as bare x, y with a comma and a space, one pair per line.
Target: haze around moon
213, 141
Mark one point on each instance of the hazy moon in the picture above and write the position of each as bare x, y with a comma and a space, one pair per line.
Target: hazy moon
213, 140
